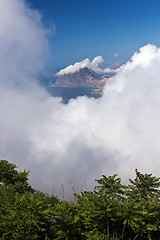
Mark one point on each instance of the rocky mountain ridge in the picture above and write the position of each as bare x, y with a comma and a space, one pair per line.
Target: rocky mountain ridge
83, 78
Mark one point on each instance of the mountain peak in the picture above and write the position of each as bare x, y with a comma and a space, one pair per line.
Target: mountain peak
85, 77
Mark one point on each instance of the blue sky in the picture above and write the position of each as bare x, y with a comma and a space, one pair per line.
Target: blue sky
88, 28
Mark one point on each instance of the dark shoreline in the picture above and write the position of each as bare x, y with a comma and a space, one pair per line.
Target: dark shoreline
68, 93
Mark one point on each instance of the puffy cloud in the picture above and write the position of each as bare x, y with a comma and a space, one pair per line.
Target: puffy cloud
93, 65
79, 141
97, 61
22, 40
80, 65
118, 133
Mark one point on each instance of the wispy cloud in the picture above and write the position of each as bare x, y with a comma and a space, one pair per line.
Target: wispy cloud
116, 54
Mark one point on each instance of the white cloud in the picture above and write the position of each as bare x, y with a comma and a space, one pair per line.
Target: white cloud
93, 65
116, 54
97, 61
86, 138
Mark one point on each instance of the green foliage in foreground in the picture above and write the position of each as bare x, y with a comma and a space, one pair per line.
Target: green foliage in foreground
111, 211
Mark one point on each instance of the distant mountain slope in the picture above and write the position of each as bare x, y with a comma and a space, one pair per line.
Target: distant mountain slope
116, 65
83, 78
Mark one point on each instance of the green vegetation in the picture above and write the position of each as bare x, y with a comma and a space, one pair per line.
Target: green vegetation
111, 211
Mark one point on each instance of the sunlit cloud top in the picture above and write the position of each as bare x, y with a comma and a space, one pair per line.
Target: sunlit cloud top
93, 65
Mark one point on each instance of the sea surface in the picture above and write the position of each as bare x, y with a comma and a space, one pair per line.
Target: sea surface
69, 93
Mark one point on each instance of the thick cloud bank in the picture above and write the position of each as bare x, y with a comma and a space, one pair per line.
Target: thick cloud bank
79, 141
93, 65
